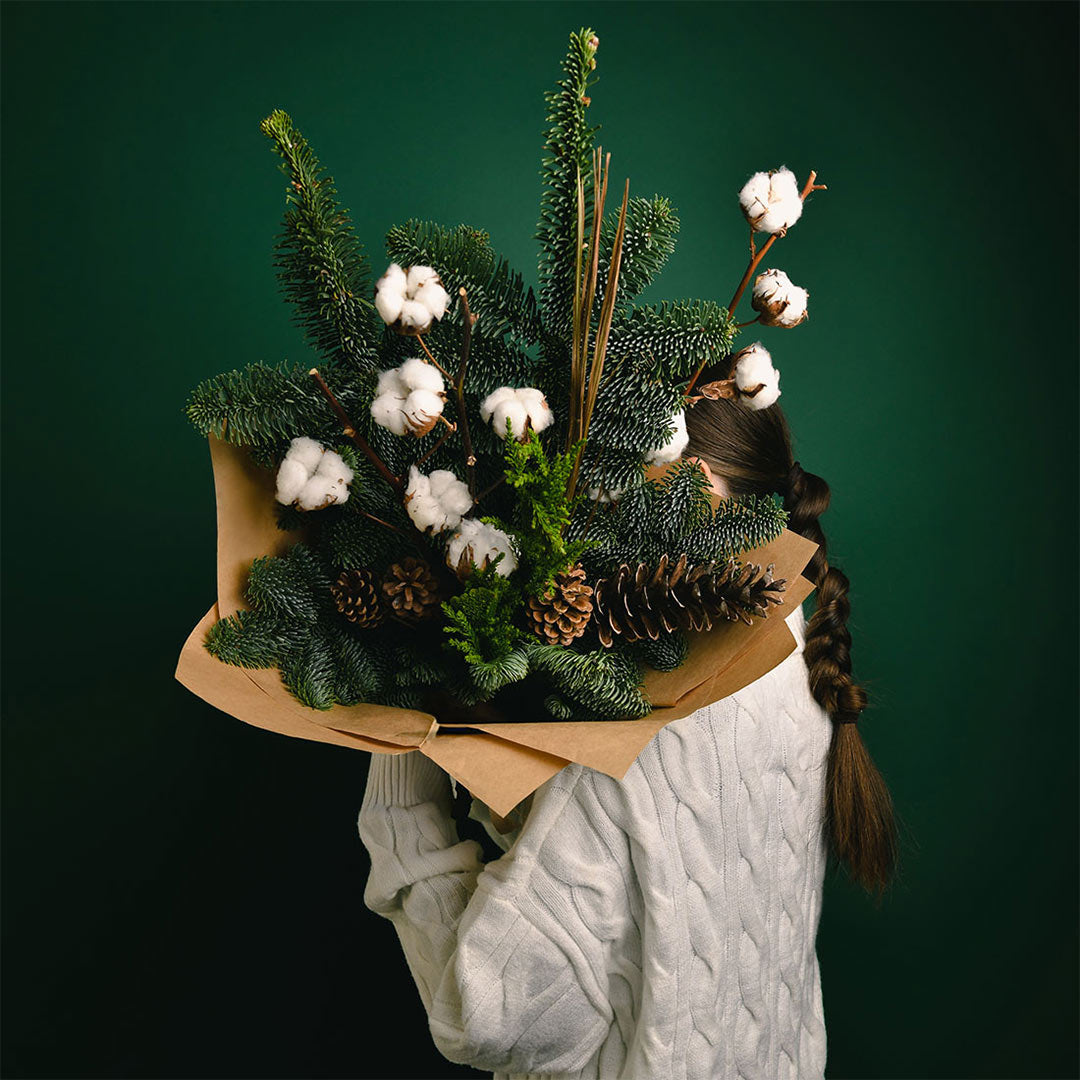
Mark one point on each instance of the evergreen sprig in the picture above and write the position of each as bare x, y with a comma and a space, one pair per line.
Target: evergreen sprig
604, 684
652, 227
480, 622
677, 334
320, 263
542, 510
566, 154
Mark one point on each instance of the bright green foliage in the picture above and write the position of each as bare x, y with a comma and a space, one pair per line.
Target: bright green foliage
604, 684
677, 334
567, 150
480, 621
319, 261
652, 227
542, 510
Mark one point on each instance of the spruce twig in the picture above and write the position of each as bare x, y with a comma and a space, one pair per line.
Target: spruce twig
459, 386
358, 440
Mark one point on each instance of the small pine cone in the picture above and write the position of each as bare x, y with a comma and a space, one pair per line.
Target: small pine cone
357, 598
411, 589
563, 614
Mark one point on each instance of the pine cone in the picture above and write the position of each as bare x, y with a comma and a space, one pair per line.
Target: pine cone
563, 614
640, 603
412, 589
357, 598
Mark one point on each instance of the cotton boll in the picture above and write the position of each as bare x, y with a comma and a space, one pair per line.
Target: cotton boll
673, 449
394, 280
480, 544
779, 302
389, 305
334, 468
306, 451
317, 494
452, 494
771, 202
753, 368
512, 411
539, 412
414, 316
494, 399
764, 397
387, 411
291, 478
417, 374
434, 297
418, 277
390, 383
422, 410
390, 293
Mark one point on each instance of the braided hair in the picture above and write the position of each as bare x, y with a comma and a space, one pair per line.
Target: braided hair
751, 451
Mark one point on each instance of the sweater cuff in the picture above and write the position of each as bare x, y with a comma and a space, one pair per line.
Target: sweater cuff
404, 780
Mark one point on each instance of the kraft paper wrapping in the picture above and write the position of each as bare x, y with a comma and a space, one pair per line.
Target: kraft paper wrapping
500, 763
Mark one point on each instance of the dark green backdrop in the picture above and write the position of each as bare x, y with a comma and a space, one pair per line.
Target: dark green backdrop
183, 894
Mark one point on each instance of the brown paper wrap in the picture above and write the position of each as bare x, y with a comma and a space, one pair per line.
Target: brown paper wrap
500, 763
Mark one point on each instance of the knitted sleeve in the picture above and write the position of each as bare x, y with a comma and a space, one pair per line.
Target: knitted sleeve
510, 958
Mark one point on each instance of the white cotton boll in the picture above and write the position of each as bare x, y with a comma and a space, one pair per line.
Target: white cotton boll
418, 277
452, 494
394, 280
512, 411
754, 368
390, 293
417, 374
605, 495
291, 478
307, 451
480, 544
779, 302
387, 411
540, 414
765, 397
771, 202
390, 383
673, 449
414, 316
422, 410
317, 494
494, 399
434, 297
334, 467
389, 305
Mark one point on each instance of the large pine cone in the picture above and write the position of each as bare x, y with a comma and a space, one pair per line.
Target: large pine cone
411, 589
563, 614
357, 598
639, 603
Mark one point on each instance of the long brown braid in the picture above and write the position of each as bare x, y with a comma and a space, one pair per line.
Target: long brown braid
751, 451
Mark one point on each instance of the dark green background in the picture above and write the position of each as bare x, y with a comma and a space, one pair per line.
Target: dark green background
183, 894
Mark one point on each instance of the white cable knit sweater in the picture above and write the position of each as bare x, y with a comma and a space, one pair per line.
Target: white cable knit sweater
661, 926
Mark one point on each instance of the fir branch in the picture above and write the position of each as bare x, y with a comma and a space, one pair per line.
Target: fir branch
652, 227
566, 147
320, 264
678, 335
260, 406
604, 684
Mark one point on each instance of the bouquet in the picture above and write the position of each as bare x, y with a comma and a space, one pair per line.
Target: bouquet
468, 528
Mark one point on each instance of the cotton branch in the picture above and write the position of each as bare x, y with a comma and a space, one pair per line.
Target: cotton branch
358, 440
756, 259
459, 385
